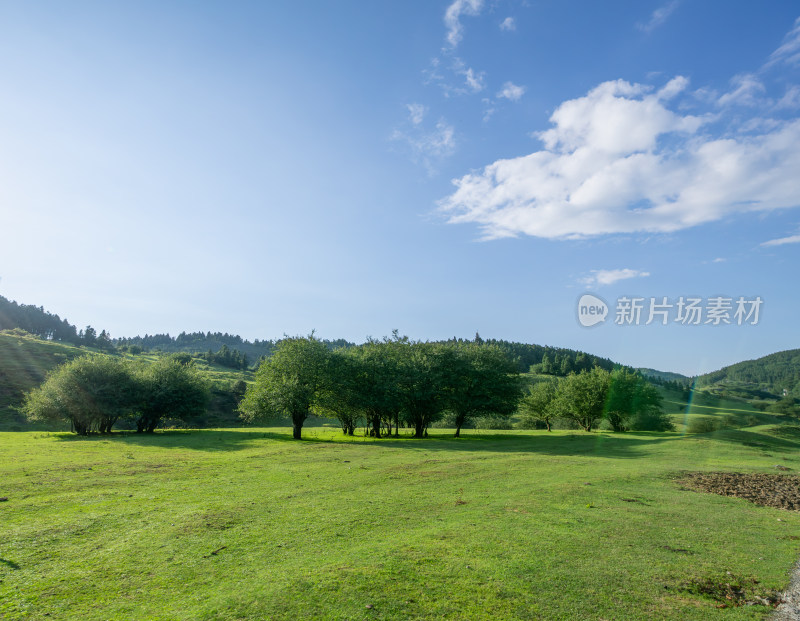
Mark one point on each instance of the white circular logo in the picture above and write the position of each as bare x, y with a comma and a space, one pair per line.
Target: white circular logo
591, 310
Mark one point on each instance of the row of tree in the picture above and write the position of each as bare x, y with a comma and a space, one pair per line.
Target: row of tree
621, 397
37, 321
227, 357
385, 384
92, 393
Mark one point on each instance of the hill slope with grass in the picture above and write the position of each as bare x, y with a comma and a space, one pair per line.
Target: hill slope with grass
764, 378
24, 363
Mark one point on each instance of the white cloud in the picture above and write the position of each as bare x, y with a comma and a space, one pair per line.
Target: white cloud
452, 18
746, 91
618, 160
416, 112
511, 91
508, 24
474, 80
659, 16
792, 239
428, 146
789, 51
719, 260
609, 277
790, 99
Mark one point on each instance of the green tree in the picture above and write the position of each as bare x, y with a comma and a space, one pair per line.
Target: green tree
547, 365
376, 383
581, 397
89, 336
422, 390
170, 387
339, 394
480, 380
289, 383
536, 406
91, 392
634, 403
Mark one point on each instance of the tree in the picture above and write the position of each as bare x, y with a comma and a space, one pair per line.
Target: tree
537, 406
547, 365
375, 384
422, 390
581, 397
91, 392
620, 404
89, 336
480, 380
634, 403
173, 387
289, 383
338, 396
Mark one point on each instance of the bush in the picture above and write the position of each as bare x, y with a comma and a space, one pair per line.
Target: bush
493, 422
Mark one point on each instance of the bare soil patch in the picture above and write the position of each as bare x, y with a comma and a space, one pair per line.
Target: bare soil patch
769, 490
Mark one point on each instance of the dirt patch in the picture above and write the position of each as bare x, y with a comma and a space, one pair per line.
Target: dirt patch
769, 490
729, 590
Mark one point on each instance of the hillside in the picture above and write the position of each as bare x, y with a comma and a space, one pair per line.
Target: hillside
764, 378
24, 362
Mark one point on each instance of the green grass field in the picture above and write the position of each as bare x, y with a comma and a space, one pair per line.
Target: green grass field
247, 524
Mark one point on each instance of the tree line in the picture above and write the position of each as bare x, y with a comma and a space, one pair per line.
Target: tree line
385, 384
394, 382
623, 398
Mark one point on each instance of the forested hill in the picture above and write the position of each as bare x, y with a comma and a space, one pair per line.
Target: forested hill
772, 374
202, 342
546, 359
35, 320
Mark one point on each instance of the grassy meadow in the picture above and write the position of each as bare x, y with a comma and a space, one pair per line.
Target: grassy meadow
248, 524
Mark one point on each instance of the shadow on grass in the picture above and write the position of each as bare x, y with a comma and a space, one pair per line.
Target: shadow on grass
9, 564
780, 439
606, 444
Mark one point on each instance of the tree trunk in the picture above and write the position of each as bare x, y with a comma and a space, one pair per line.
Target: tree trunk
296, 429
419, 429
548, 425
376, 426
460, 418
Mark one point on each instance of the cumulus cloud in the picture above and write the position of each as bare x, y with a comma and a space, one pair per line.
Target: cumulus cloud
511, 91
658, 17
508, 24
609, 277
452, 18
792, 239
619, 160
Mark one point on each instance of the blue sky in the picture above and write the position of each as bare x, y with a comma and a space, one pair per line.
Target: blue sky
437, 167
